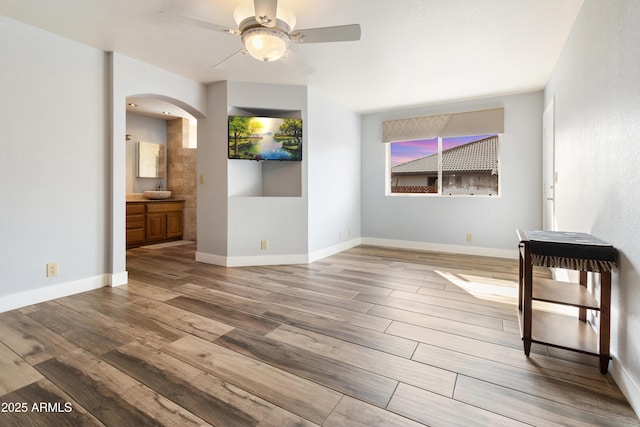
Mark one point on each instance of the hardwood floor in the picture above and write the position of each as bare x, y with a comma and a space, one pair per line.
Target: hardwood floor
368, 337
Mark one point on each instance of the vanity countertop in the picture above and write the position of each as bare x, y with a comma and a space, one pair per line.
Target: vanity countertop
139, 198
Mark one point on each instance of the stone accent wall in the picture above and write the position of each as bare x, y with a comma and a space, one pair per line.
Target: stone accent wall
182, 172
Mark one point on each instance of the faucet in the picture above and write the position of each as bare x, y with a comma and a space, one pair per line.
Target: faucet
159, 185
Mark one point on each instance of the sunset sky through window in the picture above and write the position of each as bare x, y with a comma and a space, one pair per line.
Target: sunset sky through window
402, 152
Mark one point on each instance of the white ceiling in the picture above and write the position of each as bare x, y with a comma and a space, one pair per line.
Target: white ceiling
412, 52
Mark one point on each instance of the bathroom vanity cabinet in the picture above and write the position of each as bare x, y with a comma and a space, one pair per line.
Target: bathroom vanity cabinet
150, 221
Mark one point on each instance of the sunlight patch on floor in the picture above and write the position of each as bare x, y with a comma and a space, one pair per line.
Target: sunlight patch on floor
486, 288
505, 291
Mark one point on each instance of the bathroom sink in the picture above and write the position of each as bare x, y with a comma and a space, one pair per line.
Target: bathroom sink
157, 194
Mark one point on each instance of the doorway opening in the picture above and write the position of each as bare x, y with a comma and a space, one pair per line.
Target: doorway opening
161, 123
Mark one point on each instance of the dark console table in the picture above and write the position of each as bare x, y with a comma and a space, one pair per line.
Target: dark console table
574, 251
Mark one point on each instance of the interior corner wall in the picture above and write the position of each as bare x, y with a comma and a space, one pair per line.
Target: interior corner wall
212, 178
597, 123
131, 77
54, 164
234, 215
281, 221
334, 175
443, 222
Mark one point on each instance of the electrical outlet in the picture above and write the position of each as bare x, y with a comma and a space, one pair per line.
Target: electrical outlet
201, 179
264, 245
340, 235
349, 232
469, 237
52, 269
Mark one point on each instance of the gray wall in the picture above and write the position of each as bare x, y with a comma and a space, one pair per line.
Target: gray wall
63, 160
53, 171
443, 222
242, 203
128, 77
334, 174
597, 124
212, 175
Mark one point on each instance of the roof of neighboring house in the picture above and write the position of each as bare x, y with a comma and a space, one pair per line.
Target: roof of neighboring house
481, 155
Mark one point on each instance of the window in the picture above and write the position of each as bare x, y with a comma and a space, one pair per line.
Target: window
446, 154
468, 165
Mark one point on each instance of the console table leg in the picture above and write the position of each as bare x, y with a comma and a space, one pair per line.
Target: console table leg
605, 320
582, 312
520, 274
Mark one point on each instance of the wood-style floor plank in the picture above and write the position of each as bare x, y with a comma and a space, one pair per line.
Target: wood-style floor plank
116, 317
297, 395
183, 320
344, 331
531, 409
237, 302
371, 336
549, 366
20, 372
31, 340
281, 418
461, 316
45, 405
343, 377
436, 411
355, 413
83, 331
534, 383
495, 335
136, 287
499, 310
224, 314
441, 381
202, 394
111, 396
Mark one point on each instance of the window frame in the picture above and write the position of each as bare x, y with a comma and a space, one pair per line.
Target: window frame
439, 185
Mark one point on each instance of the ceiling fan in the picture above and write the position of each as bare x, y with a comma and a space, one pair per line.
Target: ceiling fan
267, 30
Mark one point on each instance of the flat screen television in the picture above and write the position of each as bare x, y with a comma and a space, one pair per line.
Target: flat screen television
265, 138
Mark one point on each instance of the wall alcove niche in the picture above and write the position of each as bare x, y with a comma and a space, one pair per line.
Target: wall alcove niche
265, 178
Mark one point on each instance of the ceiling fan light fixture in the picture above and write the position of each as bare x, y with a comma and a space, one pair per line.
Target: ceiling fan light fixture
265, 44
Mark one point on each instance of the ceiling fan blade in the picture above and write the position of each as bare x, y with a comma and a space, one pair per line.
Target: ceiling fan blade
266, 11
340, 33
198, 23
229, 57
292, 60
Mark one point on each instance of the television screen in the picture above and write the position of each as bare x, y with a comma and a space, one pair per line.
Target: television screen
265, 138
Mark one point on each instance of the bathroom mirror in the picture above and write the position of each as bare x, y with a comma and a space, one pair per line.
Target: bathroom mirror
150, 160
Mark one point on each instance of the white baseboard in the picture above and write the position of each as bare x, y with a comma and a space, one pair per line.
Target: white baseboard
248, 261
211, 259
118, 279
245, 261
332, 250
47, 293
440, 247
627, 384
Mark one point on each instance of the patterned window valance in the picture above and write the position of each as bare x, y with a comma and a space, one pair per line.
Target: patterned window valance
458, 124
